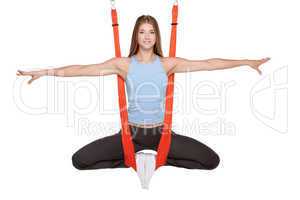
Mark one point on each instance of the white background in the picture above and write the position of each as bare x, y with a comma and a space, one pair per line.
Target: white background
41, 123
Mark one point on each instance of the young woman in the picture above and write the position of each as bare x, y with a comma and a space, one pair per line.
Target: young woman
145, 72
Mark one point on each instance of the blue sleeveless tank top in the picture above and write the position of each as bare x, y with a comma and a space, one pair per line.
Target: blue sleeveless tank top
146, 89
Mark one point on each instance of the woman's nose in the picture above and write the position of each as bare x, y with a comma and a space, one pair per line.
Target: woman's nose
147, 35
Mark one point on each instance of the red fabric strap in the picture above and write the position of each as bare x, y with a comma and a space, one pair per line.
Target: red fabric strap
165, 141
128, 148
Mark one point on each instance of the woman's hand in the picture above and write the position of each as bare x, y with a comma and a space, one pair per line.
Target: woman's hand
34, 74
256, 63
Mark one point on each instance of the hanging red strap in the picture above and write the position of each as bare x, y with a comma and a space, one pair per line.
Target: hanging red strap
128, 148
165, 141
164, 145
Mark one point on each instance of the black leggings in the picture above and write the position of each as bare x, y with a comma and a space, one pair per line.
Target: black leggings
107, 152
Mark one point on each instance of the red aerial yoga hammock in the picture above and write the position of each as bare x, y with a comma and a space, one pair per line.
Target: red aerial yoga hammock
165, 141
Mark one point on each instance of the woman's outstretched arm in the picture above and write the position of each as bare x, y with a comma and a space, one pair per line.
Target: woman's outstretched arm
101, 69
184, 65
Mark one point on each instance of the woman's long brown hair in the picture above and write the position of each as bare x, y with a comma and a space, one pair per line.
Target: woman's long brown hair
134, 46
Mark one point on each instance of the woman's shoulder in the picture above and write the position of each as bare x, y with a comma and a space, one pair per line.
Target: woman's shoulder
122, 60
122, 63
168, 63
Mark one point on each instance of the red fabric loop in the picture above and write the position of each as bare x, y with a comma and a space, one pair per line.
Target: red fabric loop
164, 145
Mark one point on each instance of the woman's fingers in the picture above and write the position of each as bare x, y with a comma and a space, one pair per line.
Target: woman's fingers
33, 78
30, 81
261, 61
258, 70
29, 73
265, 60
20, 72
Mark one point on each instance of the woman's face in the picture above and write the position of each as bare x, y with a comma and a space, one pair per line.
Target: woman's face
146, 36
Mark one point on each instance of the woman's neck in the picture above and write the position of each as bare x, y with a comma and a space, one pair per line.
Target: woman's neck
145, 57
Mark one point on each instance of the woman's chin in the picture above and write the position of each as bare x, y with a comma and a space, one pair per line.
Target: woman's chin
147, 47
